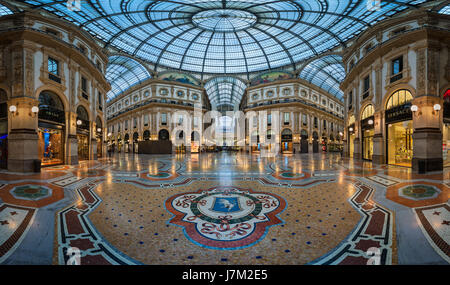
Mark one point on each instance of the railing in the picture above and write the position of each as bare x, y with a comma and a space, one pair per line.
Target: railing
150, 102
396, 77
53, 77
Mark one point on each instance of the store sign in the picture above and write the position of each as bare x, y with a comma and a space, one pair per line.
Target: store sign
52, 114
400, 113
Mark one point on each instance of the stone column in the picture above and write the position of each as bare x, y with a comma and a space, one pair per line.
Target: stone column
427, 136
23, 137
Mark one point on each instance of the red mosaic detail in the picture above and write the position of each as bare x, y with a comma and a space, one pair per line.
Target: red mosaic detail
438, 241
14, 238
392, 193
57, 195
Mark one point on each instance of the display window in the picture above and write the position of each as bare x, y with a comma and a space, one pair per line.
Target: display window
83, 147
51, 146
400, 143
446, 145
367, 144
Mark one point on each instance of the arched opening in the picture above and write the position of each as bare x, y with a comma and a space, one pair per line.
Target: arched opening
315, 142
51, 129
180, 142
399, 128
254, 142
195, 142
135, 142
99, 136
351, 135
83, 133
163, 135
303, 141
146, 135
3, 129
367, 132
286, 141
324, 142
119, 143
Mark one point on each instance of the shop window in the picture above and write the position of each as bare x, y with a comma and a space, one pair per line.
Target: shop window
368, 112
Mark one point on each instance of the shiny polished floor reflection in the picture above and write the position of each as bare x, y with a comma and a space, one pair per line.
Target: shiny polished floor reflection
225, 208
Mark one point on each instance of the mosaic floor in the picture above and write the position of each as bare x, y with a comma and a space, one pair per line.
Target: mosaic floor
225, 209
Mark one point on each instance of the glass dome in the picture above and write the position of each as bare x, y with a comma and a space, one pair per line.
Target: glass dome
229, 36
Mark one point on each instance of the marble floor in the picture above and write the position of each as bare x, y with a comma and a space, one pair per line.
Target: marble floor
225, 209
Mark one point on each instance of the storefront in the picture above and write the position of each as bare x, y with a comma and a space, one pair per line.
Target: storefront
127, 143
324, 142
446, 130
315, 142
99, 137
135, 142
119, 143
51, 129
3, 130
180, 143
195, 142
367, 132
146, 135
399, 129
303, 141
286, 141
163, 135
255, 143
82, 133
351, 139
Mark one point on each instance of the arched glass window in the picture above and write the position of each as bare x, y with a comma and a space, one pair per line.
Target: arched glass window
398, 98
82, 113
368, 112
50, 99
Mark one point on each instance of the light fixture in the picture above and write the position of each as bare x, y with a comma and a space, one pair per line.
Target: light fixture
99, 130
109, 134
351, 129
35, 109
437, 107
370, 122
79, 122
414, 108
341, 134
13, 108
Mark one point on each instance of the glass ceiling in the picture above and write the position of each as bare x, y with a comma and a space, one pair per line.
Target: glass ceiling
445, 10
327, 72
225, 91
229, 36
123, 73
225, 37
4, 10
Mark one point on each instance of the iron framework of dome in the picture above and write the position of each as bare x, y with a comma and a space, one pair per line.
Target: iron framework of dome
224, 36
229, 36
